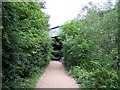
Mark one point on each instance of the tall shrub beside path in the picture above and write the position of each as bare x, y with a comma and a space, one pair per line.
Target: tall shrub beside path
90, 49
26, 44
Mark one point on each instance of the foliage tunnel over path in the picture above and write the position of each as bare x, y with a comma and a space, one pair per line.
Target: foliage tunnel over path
26, 44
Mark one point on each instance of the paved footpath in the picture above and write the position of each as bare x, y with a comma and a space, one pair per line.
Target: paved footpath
55, 76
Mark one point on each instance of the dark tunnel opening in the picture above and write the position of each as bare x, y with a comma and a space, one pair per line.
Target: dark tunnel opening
57, 47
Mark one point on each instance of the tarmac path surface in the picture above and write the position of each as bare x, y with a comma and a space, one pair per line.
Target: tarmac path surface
55, 76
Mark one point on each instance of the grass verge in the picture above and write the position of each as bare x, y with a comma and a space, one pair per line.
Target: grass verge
31, 81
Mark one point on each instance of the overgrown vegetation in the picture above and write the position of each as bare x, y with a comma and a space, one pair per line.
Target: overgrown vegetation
90, 49
26, 45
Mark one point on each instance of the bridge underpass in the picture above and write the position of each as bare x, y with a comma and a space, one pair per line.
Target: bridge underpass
57, 44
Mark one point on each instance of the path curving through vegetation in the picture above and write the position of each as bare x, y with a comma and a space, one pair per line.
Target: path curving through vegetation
55, 76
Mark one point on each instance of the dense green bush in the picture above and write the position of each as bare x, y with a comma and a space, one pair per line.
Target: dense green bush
90, 49
99, 77
26, 44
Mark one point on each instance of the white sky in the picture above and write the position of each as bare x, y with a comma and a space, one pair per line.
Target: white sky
61, 11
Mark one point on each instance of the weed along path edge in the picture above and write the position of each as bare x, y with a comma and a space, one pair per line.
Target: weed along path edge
55, 76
